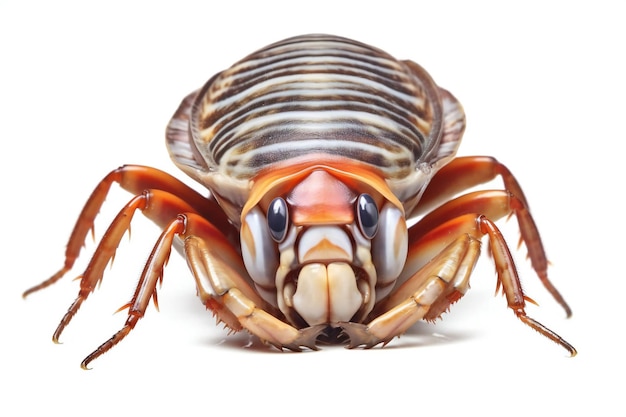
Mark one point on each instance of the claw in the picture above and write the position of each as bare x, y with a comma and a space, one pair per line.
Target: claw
359, 335
307, 337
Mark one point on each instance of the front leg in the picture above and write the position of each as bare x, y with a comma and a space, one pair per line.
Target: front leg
224, 288
440, 282
444, 280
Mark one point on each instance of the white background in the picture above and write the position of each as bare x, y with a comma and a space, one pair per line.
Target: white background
85, 88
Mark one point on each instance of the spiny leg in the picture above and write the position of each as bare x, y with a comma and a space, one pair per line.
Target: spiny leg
510, 283
463, 173
443, 280
157, 205
135, 179
224, 287
221, 284
493, 204
145, 290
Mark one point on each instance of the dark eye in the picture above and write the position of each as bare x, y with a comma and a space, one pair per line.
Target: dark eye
277, 219
367, 215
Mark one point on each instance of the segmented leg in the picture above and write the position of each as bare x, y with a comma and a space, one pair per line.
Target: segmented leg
222, 284
444, 279
224, 288
157, 205
441, 281
135, 179
463, 173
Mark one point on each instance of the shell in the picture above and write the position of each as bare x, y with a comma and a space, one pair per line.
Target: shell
311, 96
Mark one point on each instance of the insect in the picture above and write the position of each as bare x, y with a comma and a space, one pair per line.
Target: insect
336, 210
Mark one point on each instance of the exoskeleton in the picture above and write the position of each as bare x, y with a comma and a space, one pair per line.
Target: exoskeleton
317, 152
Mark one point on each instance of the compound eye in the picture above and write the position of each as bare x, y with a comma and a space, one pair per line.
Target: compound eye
277, 219
367, 215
